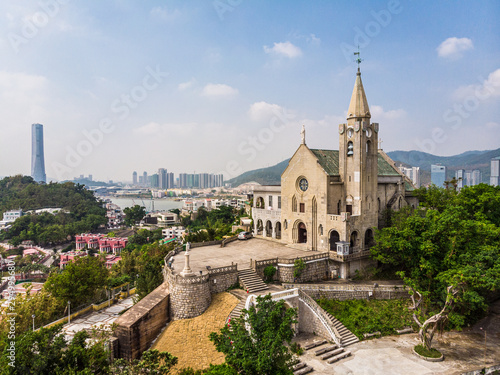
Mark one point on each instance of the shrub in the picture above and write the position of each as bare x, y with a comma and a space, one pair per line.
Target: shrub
429, 353
298, 266
269, 273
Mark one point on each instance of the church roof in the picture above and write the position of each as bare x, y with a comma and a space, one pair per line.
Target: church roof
359, 105
329, 161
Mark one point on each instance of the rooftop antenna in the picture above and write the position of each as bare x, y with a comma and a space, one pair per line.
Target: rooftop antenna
358, 59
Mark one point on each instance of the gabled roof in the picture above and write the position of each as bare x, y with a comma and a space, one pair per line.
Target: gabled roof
329, 161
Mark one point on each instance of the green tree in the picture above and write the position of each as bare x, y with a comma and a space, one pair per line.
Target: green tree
448, 253
134, 214
261, 348
152, 362
79, 281
46, 352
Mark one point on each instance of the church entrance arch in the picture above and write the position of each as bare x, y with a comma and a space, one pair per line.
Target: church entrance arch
302, 233
260, 227
334, 238
278, 230
269, 228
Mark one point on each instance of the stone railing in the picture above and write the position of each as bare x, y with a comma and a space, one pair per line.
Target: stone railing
225, 241
346, 258
322, 316
206, 243
198, 279
221, 270
277, 296
265, 262
262, 213
346, 287
305, 259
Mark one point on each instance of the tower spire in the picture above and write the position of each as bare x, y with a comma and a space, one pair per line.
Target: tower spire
359, 105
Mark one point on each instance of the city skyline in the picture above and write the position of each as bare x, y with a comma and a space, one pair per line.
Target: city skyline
225, 87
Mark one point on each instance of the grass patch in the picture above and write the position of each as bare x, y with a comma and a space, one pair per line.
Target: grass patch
424, 352
366, 316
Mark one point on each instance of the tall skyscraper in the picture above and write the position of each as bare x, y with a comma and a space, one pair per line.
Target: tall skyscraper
162, 178
495, 169
37, 158
134, 178
438, 175
477, 178
460, 177
145, 180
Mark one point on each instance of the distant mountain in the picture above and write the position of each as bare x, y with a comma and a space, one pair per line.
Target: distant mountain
264, 176
467, 160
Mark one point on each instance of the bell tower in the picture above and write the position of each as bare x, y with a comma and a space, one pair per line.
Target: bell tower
358, 155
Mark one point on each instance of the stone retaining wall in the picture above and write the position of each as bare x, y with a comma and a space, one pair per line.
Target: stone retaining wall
315, 270
141, 324
347, 292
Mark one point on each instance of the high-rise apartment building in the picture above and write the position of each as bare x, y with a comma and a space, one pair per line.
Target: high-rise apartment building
412, 173
162, 178
134, 178
170, 180
495, 171
37, 154
438, 175
460, 177
145, 178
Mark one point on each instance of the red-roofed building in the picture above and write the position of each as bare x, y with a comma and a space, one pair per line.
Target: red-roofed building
70, 256
101, 242
112, 259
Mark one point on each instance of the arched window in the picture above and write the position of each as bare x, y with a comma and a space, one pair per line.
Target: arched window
294, 204
320, 230
368, 146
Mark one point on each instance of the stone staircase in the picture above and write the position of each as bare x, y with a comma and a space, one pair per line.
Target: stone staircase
236, 311
302, 368
327, 352
251, 281
348, 338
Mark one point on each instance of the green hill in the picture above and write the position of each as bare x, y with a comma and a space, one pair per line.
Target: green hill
467, 160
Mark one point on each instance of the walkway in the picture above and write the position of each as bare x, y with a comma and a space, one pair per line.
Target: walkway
188, 339
238, 252
97, 319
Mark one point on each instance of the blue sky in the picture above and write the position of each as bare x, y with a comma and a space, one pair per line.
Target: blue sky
224, 86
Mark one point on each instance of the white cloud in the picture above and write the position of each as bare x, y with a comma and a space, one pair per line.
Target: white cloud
453, 48
262, 111
186, 85
218, 90
165, 14
313, 39
485, 89
286, 49
379, 115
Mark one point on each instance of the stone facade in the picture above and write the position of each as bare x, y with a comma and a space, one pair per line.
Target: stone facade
333, 200
139, 326
316, 270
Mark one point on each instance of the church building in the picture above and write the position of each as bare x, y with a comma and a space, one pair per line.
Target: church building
332, 200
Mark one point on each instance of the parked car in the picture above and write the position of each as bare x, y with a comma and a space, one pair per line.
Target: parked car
244, 235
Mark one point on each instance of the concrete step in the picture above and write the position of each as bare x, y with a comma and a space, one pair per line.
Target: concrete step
303, 371
298, 366
325, 349
332, 353
251, 281
350, 341
314, 344
339, 357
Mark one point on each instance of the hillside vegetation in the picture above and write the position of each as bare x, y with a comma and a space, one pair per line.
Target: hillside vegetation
82, 211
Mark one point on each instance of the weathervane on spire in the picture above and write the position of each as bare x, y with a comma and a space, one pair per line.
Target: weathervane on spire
358, 59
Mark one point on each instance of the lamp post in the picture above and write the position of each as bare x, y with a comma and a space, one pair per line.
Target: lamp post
33, 316
69, 312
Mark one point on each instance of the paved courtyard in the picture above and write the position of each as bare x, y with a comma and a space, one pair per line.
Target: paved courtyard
97, 319
239, 252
